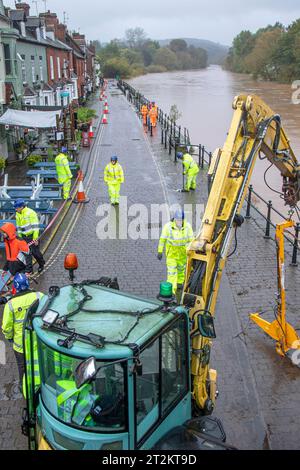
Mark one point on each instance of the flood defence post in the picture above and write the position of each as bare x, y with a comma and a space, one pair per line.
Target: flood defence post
269, 216
249, 203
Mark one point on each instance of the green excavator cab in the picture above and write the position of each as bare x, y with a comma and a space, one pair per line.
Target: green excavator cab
108, 371
114, 369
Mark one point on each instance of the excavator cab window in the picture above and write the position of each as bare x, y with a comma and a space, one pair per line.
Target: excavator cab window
98, 405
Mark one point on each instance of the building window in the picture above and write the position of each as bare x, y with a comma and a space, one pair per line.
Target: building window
23, 69
65, 68
41, 69
58, 67
33, 69
52, 76
7, 58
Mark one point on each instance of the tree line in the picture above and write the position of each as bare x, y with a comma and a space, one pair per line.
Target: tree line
136, 55
272, 53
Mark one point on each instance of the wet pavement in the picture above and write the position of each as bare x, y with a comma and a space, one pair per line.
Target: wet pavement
259, 392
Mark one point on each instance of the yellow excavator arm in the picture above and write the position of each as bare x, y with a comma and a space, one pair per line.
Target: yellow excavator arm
255, 130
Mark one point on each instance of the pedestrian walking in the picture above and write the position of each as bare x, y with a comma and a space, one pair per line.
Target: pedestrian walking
145, 112
153, 114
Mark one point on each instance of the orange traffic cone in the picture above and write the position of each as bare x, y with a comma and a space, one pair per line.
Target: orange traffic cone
81, 196
104, 119
106, 110
91, 132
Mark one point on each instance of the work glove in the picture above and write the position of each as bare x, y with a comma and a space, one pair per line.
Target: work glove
160, 256
3, 300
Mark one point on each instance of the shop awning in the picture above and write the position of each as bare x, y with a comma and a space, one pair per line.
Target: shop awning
30, 119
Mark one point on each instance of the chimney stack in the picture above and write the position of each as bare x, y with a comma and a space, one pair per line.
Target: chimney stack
60, 32
23, 6
51, 19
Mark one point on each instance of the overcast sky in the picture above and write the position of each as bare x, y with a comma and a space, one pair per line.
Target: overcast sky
217, 20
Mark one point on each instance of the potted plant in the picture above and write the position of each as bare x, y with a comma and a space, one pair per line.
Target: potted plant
50, 154
86, 116
21, 149
33, 159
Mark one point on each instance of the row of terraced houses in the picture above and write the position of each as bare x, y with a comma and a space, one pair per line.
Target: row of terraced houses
42, 64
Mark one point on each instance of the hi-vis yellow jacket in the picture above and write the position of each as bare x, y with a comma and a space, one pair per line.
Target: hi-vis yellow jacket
14, 316
28, 223
63, 168
114, 174
191, 167
175, 240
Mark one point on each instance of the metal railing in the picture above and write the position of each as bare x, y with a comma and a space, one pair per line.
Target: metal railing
292, 239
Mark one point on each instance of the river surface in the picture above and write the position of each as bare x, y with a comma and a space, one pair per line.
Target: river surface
204, 98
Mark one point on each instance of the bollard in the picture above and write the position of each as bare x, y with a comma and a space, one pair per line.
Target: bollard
162, 137
249, 204
294, 262
203, 157
166, 139
175, 153
268, 227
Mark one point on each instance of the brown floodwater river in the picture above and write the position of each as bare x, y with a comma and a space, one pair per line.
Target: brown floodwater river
204, 98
